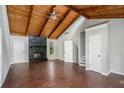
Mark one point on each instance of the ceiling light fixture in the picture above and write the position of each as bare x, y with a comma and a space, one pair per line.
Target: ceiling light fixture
55, 16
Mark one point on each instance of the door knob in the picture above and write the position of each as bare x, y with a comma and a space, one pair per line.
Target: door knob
98, 55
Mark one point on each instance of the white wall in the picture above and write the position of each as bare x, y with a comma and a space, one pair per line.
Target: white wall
117, 46
0, 55
25, 41
0, 48
54, 55
73, 33
60, 49
25, 54
5, 42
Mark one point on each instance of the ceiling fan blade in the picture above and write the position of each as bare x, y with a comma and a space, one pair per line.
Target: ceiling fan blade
47, 17
60, 16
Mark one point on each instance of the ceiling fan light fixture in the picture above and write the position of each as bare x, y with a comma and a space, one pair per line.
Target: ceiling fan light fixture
54, 15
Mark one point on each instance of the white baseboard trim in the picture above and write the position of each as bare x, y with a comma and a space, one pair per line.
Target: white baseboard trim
61, 59
20, 62
51, 58
120, 73
105, 74
81, 65
87, 68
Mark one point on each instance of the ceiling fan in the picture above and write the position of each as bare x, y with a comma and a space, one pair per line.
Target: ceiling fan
54, 15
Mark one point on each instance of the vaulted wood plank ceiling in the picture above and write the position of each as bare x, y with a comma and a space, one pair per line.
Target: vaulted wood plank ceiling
36, 19
51, 24
69, 19
99, 11
18, 19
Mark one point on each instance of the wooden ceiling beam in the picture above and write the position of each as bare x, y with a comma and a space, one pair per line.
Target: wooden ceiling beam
58, 24
76, 10
104, 10
38, 19
84, 7
29, 19
52, 24
69, 19
114, 13
99, 11
107, 16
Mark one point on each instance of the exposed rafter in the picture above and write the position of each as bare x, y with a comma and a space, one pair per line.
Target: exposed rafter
38, 19
29, 19
52, 24
76, 10
69, 19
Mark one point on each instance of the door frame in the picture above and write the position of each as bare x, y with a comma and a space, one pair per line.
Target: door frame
0, 56
24, 40
66, 52
103, 70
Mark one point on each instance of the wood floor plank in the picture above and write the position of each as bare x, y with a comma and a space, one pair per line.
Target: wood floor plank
57, 74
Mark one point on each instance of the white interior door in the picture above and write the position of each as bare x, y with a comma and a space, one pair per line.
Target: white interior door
68, 51
0, 57
94, 45
19, 51
96, 48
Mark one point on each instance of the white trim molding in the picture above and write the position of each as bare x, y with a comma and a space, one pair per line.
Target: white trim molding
104, 69
105, 24
0, 56
120, 73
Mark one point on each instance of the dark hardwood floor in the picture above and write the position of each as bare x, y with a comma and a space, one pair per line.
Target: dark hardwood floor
54, 74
